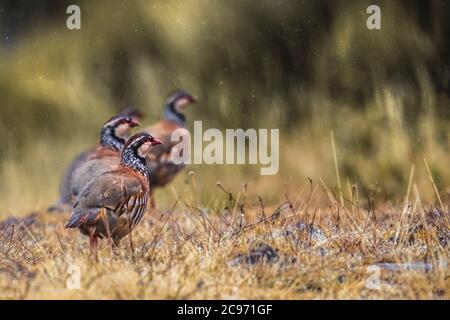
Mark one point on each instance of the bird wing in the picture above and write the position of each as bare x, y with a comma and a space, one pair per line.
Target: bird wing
122, 192
110, 190
90, 170
65, 186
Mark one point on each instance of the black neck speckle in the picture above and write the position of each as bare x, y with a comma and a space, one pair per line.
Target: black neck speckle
131, 159
108, 139
171, 114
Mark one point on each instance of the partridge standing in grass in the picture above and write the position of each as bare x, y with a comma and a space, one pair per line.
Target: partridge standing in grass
161, 169
111, 137
106, 156
112, 204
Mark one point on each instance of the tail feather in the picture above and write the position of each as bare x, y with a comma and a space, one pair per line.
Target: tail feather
74, 221
79, 217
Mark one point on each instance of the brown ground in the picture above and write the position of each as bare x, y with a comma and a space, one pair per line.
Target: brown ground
293, 251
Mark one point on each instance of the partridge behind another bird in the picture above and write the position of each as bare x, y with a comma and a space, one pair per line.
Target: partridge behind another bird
112, 204
106, 156
65, 192
160, 167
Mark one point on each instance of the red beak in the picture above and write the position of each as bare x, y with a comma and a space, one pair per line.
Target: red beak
134, 122
156, 141
193, 99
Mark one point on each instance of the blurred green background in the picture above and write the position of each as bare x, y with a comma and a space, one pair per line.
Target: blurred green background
306, 67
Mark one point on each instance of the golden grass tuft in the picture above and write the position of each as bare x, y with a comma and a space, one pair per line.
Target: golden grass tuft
196, 252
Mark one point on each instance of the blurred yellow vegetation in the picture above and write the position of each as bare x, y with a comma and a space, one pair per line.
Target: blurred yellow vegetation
268, 65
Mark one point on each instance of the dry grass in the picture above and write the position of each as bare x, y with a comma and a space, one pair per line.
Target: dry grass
239, 248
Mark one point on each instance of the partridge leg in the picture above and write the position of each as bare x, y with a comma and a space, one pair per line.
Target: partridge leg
93, 241
152, 200
106, 224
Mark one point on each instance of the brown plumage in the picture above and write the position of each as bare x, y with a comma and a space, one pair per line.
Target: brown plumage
65, 192
105, 157
161, 169
112, 204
